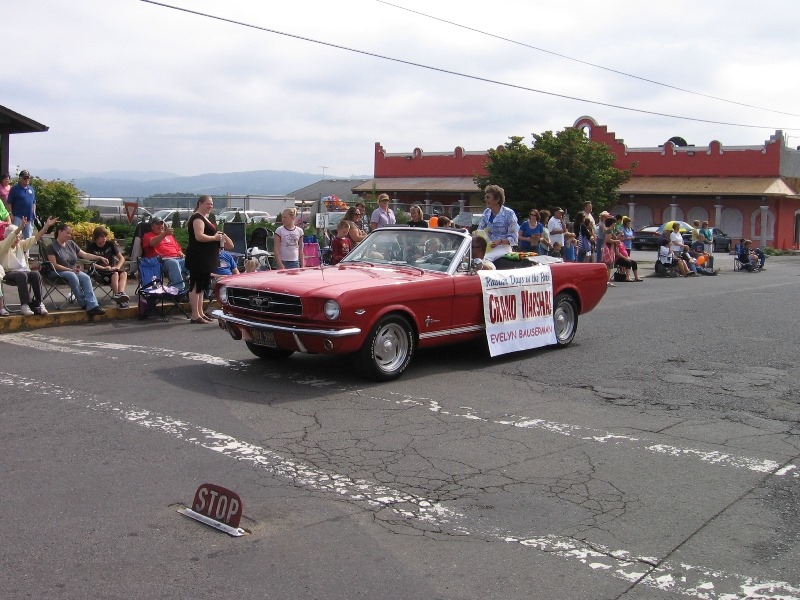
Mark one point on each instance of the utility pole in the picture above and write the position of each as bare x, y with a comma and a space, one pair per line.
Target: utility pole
323, 171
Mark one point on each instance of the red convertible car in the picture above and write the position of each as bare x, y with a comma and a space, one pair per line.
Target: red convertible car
400, 289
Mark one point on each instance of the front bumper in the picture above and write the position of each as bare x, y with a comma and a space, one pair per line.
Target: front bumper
292, 337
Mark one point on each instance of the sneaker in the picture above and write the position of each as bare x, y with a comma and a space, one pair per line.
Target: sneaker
25, 310
122, 296
123, 305
40, 310
4, 312
96, 311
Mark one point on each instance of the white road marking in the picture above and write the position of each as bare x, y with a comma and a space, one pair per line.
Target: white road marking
713, 457
685, 579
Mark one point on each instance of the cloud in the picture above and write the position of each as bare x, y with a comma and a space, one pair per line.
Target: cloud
130, 85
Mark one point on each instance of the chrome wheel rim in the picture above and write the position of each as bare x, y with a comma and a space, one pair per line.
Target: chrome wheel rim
391, 347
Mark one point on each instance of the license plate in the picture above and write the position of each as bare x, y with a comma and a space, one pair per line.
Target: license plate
264, 338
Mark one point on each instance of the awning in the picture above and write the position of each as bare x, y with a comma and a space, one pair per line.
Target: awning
707, 186
452, 185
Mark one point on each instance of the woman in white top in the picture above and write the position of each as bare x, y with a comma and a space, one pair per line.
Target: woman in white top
383, 216
676, 239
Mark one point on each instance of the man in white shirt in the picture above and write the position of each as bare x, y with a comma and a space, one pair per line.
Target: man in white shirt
556, 227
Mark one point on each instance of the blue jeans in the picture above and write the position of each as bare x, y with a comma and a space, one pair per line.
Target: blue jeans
27, 231
291, 264
175, 268
81, 285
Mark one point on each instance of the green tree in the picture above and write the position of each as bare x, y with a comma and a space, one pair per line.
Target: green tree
60, 199
564, 169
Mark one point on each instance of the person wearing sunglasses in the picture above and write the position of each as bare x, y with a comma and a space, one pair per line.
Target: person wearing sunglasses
22, 200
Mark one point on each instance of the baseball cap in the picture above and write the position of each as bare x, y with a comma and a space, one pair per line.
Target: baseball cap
24, 174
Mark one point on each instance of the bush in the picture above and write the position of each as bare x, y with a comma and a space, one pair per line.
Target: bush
82, 233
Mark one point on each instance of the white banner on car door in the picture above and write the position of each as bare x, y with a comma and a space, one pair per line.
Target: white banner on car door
518, 309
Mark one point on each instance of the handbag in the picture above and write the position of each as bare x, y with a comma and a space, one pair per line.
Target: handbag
608, 255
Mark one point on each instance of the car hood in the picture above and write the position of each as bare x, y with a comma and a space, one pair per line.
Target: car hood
334, 280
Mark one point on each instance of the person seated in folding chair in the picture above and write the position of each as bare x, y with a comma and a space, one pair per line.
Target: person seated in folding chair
159, 241
113, 274
14, 261
227, 265
751, 259
63, 254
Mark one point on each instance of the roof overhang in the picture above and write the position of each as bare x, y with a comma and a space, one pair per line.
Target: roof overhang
13, 122
707, 186
453, 185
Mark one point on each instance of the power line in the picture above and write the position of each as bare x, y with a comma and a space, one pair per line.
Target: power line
584, 62
458, 74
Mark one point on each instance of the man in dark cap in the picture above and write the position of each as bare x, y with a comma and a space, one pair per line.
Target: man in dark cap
22, 201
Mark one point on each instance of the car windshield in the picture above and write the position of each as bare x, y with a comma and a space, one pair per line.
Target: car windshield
163, 214
684, 226
426, 249
228, 215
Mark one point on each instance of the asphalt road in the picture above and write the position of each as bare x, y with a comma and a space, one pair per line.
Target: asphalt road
656, 457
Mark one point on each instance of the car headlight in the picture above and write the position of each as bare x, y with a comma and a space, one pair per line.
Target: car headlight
223, 294
332, 309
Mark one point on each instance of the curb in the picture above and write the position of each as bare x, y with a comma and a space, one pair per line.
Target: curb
58, 318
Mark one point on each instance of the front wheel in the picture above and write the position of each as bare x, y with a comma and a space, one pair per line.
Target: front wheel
268, 353
565, 319
388, 350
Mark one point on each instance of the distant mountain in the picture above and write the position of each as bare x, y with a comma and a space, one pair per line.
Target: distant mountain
133, 184
124, 175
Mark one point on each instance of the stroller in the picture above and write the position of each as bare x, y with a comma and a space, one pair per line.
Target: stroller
665, 264
259, 255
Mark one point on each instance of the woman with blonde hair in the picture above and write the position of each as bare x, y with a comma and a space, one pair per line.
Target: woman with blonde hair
383, 216
416, 217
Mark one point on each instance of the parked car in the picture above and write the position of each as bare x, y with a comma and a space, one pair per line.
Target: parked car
167, 215
722, 241
247, 216
388, 297
333, 221
647, 237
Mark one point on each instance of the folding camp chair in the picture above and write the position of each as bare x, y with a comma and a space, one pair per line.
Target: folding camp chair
53, 283
237, 231
102, 290
152, 291
12, 308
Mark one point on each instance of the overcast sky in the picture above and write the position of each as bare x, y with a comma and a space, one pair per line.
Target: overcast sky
130, 85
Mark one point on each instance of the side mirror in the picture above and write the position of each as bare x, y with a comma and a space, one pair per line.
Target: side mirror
475, 265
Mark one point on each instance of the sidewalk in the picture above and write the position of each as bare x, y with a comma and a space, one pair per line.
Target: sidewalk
70, 315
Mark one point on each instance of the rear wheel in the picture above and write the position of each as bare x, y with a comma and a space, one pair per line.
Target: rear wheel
565, 319
268, 353
388, 350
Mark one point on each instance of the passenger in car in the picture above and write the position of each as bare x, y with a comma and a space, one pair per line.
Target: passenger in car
499, 221
478, 247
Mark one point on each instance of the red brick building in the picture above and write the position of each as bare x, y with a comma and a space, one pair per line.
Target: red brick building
442, 181
746, 191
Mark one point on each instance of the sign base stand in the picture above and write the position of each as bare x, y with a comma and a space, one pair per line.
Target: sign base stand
232, 531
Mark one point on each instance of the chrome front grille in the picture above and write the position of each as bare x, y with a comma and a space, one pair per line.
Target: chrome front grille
265, 302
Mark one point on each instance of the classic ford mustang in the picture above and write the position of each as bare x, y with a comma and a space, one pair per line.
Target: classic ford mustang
400, 289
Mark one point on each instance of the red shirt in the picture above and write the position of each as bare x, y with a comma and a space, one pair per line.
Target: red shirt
340, 247
167, 248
